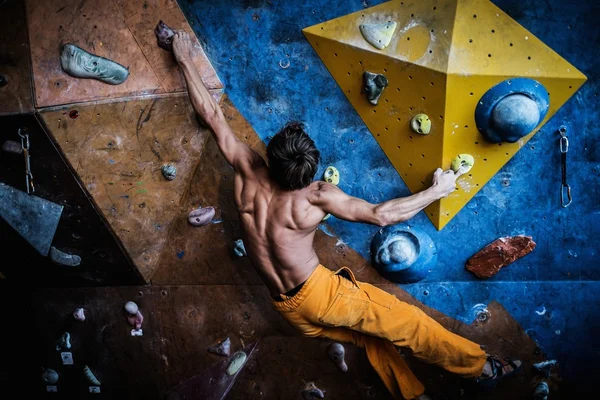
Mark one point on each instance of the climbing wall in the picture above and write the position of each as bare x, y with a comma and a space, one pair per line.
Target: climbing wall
442, 58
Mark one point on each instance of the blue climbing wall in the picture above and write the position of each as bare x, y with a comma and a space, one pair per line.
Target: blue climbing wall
272, 75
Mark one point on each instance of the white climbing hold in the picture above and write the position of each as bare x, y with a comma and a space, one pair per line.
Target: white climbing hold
378, 35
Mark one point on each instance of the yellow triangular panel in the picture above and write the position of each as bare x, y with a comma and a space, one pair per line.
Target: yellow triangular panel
426, 75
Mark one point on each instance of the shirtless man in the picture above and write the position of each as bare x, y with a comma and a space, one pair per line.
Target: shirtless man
280, 207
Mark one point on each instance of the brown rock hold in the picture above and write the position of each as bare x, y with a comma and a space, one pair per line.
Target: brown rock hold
501, 252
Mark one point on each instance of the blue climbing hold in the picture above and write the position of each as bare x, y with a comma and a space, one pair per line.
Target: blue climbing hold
511, 109
403, 254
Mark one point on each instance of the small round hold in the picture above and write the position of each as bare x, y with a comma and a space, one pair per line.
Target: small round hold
332, 175
50, 376
79, 314
131, 307
463, 160
421, 124
169, 172
201, 216
337, 353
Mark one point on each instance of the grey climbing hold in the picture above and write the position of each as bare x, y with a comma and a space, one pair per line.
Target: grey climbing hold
201, 216
164, 36
222, 348
10, 146
64, 342
237, 363
378, 35
81, 64
311, 392
89, 375
239, 249
169, 172
61, 258
374, 85
337, 353
50, 376
541, 391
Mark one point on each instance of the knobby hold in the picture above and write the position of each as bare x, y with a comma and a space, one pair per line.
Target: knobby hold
332, 175
50, 376
239, 249
64, 342
337, 353
61, 258
10, 146
89, 375
311, 392
378, 35
374, 85
201, 216
503, 251
237, 363
79, 314
463, 160
421, 124
222, 348
81, 64
134, 316
541, 391
169, 172
164, 36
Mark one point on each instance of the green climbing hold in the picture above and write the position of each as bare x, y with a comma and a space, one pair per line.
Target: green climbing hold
462, 160
81, 64
332, 175
421, 124
237, 363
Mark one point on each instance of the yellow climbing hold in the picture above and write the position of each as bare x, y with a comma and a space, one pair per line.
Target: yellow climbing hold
332, 175
378, 35
421, 124
462, 160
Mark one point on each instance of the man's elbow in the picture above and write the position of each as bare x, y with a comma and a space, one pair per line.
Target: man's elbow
383, 218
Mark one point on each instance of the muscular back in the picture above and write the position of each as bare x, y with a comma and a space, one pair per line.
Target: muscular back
279, 228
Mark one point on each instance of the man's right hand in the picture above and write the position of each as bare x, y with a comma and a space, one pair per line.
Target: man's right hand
182, 47
444, 182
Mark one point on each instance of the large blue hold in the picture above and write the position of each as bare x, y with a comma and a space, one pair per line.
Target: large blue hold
403, 254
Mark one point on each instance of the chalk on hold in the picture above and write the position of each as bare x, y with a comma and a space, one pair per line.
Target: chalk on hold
239, 249
89, 376
222, 348
337, 353
61, 258
421, 124
311, 392
164, 36
50, 376
237, 363
378, 35
201, 216
463, 160
80, 64
374, 85
64, 342
332, 175
169, 172
79, 314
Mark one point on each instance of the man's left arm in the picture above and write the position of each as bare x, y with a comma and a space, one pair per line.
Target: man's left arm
239, 155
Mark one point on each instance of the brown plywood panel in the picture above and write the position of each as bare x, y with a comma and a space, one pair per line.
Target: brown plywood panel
98, 29
117, 150
15, 96
141, 18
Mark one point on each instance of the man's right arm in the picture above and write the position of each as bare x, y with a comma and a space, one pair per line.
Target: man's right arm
334, 201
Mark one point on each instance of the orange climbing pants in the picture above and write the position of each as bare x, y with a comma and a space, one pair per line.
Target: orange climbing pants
336, 306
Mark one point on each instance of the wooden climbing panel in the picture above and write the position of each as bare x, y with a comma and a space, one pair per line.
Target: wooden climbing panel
442, 58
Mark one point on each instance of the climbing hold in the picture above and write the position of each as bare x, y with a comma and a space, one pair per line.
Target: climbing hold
239, 249
3, 81
463, 160
311, 392
511, 109
378, 35
222, 348
238, 361
134, 316
545, 366
332, 175
201, 216
421, 124
79, 314
64, 342
374, 85
541, 391
169, 172
164, 36
403, 254
336, 353
501, 252
60, 258
325, 218
79, 63
89, 375
10, 146
50, 376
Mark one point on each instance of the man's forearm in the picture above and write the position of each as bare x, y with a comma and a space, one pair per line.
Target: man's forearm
200, 97
401, 209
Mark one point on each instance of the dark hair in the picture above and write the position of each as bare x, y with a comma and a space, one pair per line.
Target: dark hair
293, 157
